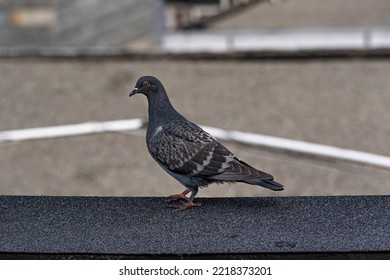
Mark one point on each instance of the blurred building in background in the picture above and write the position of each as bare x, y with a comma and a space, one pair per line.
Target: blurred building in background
195, 26
86, 23
275, 67
80, 23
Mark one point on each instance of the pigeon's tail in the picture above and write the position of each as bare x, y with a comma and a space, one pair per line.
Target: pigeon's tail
240, 171
269, 184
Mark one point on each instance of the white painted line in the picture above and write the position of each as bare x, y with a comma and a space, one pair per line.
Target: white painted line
283, 40
318, 150
70, 130
295, 40
195, 42
380, 39
300, 147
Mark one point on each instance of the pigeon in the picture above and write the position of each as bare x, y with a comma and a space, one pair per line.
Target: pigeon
187, 152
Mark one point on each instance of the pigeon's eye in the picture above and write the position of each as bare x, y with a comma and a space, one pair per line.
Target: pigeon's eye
146, 84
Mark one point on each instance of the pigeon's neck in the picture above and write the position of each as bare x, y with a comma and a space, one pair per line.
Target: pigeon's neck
161, 110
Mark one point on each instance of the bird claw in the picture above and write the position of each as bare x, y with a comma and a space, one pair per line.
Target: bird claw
176, 197
184, 206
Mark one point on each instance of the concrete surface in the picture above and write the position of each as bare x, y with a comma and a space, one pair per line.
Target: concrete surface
335, 102
146, 226
308, 13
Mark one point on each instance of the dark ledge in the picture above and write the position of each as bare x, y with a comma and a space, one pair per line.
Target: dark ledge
145, 228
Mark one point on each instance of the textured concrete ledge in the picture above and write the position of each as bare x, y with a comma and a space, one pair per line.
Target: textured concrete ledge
145, 227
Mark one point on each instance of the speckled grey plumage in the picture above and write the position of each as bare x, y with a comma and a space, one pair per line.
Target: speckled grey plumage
186, 151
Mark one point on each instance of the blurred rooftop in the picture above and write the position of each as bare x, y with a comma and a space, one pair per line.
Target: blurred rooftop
340, 102
148, 25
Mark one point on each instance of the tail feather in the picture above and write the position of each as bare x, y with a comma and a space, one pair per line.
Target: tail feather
269, 184
240, 171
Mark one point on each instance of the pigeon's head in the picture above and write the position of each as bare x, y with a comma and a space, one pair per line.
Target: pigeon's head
147, 85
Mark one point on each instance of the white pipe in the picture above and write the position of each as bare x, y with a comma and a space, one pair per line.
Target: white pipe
70, 130
300, 147
235, 136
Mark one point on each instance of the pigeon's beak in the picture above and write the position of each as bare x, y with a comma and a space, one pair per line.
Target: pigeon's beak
135, 91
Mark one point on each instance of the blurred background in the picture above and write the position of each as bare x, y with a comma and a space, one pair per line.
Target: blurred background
315, 71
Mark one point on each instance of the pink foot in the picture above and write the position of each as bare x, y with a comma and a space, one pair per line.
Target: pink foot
179, 196
184, 206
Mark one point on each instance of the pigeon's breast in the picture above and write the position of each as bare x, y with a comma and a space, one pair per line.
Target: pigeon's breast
157, 130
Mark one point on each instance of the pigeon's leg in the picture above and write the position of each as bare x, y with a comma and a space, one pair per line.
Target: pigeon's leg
178, 196
189, 202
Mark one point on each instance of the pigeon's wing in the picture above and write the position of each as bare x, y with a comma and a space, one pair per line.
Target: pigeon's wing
188, 149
